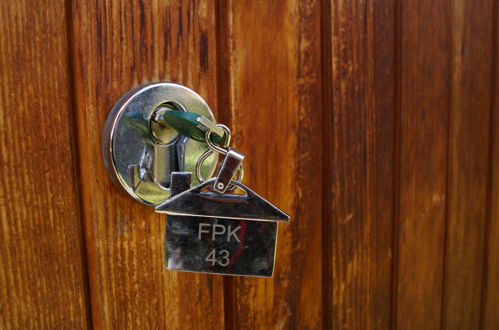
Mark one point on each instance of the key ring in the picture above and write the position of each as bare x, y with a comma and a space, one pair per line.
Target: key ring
215, 148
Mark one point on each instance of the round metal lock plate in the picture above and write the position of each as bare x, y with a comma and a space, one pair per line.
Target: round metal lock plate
139, 155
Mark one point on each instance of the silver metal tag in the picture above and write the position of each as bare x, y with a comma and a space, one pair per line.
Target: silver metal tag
218, 233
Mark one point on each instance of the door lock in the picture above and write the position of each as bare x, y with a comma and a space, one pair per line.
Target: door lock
140, 151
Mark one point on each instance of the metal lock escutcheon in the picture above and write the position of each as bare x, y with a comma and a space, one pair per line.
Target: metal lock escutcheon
140, 154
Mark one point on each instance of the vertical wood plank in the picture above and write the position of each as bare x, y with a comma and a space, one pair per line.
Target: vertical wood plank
360, 151
275, 97
425, 73
42, 274
468, 163
490, 316
118, 45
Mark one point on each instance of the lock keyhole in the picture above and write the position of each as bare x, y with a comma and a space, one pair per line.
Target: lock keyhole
167, 143
159, 130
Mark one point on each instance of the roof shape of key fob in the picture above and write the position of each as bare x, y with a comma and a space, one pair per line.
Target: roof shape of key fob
198, 203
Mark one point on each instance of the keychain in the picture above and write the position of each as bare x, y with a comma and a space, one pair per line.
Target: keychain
214, 230
162, 138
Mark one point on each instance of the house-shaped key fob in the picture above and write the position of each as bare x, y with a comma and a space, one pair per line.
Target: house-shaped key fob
216, 233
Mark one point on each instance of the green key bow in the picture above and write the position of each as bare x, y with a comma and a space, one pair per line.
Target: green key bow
186, 123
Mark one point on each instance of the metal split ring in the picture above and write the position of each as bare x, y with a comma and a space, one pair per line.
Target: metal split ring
220, 149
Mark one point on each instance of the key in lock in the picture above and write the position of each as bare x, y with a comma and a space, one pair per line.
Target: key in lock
210, 228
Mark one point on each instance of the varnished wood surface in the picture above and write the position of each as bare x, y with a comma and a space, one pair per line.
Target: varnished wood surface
275, 89
490, 285
372, 123
359, 153
42, 268
119, 45
424, 107
469, 134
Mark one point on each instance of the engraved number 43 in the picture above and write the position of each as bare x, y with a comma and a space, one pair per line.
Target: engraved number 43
223, 259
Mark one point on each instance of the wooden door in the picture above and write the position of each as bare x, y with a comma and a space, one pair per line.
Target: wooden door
372, 123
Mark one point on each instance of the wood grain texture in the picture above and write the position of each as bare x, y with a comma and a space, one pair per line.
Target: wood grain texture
468, 169
42, 274
118, 45
275, 101
372, 123
490, 314
424, 105
359, 150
